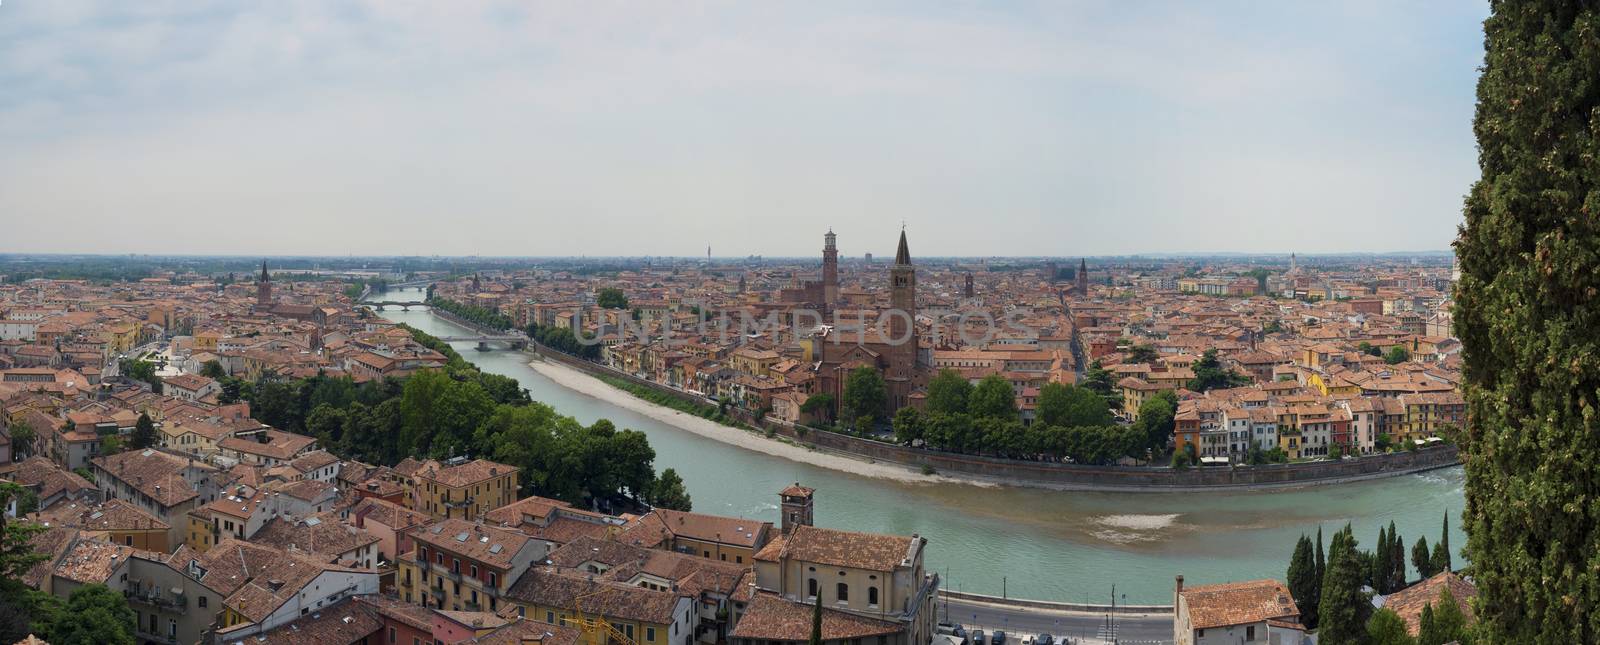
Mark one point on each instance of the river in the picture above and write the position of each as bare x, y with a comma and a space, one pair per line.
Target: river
1065, 546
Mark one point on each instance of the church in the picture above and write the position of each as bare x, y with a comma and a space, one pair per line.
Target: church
890, 345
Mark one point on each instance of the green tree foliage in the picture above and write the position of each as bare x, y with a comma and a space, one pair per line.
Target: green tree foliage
141, 370
1396, 355
1397, 560
1442, 621
1344, 608
1157, 419
816, 621
1303, 582
948, 393
819, 406
1070, 406
213, 370
611, 298
864, 397
1388, 628
560, 458
439, 413
1102, 382
481, 316
144, 433
563, 340
907, 425
951, 432
993, 398
22, 438
1210, 374
1142, 354
1441, 551
668, 492
94, 615
1422, 559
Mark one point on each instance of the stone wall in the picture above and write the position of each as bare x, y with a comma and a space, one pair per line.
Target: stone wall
1072, 476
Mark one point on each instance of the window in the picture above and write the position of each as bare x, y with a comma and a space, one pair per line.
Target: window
1250, 632
494, 579
202, 601
738, 559
392, 637
455, 565
723, 556
843, 592
550, 617
474, 570
627, 630
649, 633
811, 588
872, 595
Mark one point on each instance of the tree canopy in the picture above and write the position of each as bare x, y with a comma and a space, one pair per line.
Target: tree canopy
864, 397
993, 398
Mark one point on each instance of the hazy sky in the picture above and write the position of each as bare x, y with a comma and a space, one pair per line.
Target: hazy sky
597, 128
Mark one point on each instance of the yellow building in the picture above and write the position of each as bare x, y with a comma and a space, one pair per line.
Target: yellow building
459, 565
463, 490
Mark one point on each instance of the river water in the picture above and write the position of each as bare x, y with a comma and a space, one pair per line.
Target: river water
1064, 546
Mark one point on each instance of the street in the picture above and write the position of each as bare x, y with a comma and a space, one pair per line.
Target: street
1021, 622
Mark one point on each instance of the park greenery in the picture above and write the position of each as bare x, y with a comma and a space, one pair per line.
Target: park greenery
563, 340
611, 298
1525, 313
462, 411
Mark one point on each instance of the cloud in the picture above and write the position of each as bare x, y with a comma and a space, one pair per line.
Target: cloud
657, 128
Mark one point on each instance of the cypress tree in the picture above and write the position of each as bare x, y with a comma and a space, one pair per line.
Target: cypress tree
1383, 568
1426, 631
816, 621
1397, 558
1526, 314
1444, 546
1322, 573
1345, 607
1421, 558
1303, 581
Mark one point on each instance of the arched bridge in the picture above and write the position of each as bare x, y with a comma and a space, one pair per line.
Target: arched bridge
517, 341
403, 304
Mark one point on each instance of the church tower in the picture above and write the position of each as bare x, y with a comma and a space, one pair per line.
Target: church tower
830, 270
969, 290
1083, 278
264, 289
797, 506
903, 303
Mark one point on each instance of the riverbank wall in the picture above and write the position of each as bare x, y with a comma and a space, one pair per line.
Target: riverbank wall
1048, 605
1061, 476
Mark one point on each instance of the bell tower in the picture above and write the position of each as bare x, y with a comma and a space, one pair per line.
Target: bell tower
830, 270
264, 289
796, 507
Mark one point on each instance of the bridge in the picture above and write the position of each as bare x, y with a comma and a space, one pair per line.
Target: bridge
517, 341
403, 304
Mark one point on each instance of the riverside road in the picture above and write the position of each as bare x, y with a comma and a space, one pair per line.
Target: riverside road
1085, 627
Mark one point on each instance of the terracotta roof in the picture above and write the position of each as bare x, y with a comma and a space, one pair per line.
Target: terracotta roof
489, 545
324, 534
157, 474
769, 617
1408, 602
871, 551
661, 523
614, 600
92, 561
110, 515
1237, 603
467, 474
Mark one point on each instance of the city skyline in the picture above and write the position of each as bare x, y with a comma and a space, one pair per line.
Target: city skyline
1023, 130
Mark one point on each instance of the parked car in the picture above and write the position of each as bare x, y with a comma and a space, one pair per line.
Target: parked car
977, 638
959, 631
1044, 639
998, 638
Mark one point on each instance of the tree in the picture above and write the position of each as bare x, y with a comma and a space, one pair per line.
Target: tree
1303, 582
110, 444
16, 551
819, 406
1070, 405
611, 298
1344, 609
213, 370
669, 492
1396, 355
1382, 566
144, 433
1210, 374
1397, 559
864, 397
94, 615
1441, 551
22, 437
1157, 418
1099, 380
1388, 628
816, 621
1422, 559
948, 392
907, 425
1442, 621
1142, 354
993, 398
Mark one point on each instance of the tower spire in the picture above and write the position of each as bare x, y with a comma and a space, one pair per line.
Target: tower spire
902, 255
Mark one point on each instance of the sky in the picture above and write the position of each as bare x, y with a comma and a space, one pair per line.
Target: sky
459, 127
